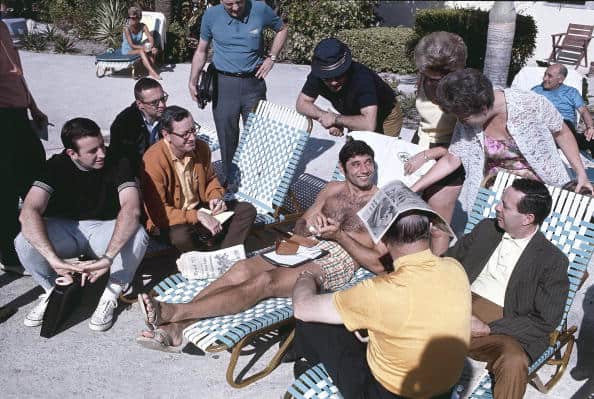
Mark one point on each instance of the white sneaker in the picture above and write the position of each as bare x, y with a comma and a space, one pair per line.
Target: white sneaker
102, 318
35, 317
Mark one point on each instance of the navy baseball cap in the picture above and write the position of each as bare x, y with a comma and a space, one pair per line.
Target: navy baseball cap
331, 59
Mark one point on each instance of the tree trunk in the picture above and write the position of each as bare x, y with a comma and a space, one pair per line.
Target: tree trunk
500, 38
165, 7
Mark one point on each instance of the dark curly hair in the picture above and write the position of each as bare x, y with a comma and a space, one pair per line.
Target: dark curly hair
464, 93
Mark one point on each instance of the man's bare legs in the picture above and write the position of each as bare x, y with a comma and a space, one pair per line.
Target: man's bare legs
244, 285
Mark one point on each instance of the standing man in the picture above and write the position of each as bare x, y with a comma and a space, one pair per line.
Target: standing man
178, 180
21, 154
135, 128
364, 101
236, 29
567, 100
84, 204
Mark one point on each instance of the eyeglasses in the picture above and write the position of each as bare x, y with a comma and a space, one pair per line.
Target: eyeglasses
187, 134
155, 103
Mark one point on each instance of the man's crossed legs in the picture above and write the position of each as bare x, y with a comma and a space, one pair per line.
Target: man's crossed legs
245, 284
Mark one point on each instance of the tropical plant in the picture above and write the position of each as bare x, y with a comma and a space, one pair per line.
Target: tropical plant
34, 42
50, 32
63, 44
109, 22
500, 39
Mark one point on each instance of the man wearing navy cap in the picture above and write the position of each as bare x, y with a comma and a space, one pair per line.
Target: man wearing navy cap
235, 28
364, 101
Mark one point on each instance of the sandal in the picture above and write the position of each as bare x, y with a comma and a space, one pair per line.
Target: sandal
155, 314
160, 341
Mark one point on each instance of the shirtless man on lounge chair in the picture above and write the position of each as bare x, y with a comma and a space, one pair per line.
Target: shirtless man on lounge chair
249, 281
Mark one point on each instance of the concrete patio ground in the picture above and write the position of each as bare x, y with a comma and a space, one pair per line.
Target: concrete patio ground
79, 362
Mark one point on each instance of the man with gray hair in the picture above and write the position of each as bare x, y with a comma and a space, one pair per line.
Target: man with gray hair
417, 317
567, 100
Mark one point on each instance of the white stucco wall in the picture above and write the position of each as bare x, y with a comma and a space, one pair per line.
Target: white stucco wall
549, 17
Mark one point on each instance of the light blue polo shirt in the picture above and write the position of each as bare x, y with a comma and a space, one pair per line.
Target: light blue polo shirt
238, 43
565, 98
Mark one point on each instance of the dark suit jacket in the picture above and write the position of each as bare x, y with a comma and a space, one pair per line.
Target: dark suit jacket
129, 137
537, 290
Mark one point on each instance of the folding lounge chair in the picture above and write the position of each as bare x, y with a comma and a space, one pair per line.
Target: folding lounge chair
234, 332
568, 226
115, 61
267, 156
571, 47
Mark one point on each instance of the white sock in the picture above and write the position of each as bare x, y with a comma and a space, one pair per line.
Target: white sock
112, 291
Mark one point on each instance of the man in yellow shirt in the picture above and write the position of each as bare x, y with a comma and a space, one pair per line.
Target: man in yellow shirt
417, 317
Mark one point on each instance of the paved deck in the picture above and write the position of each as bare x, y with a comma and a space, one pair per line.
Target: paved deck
79, 362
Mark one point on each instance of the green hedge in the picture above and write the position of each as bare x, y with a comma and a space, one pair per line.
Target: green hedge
313, 20
381, 49
472, 26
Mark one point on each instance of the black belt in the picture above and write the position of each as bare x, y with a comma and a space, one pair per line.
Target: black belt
239, 74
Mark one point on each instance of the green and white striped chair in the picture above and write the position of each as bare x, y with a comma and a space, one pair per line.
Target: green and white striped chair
568, 226
234, 332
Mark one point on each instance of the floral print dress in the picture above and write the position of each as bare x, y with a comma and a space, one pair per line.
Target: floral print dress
504, 155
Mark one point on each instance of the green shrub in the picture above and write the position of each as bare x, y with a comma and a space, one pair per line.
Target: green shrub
472, 26
70, 14
35, 42
109, 22
381, 49
313, 20
63, 44
50, 32
177, 48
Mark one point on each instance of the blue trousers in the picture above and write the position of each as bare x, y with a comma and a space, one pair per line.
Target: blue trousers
236, 96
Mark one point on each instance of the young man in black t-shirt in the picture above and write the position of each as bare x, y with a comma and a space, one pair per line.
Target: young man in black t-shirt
82, 205
364, 101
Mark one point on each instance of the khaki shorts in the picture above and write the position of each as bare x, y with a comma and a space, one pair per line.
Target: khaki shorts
338, 267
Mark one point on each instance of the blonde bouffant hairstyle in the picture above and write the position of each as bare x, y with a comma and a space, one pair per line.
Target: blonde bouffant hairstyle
136, 11
442, 52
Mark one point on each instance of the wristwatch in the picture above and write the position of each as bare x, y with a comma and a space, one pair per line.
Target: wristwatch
272, 57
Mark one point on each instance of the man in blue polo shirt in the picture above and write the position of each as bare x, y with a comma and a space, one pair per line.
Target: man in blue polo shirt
364, 101
235, 28
567, 100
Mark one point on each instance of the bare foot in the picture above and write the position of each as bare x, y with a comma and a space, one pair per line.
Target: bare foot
174, 332
156, 312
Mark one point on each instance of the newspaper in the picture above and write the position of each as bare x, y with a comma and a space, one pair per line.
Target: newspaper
388, 203
196, 265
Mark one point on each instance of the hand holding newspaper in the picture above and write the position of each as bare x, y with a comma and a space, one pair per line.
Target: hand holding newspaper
388, 203
196, 265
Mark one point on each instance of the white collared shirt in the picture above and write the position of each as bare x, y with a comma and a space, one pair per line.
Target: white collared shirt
153, 135
492, 282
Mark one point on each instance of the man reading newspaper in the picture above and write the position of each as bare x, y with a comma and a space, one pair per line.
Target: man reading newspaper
417, 316
249, 281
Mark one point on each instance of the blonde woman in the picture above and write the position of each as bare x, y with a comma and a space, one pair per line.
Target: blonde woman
132, 41
436, 55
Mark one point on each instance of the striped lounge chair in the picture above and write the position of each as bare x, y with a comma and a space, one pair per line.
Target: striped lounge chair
569, 227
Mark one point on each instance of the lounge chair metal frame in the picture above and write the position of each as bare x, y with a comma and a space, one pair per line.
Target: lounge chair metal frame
235, 332
568, 226
116, 61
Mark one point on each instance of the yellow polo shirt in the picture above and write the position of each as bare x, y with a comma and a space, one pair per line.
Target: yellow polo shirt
435, 125
418, 319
